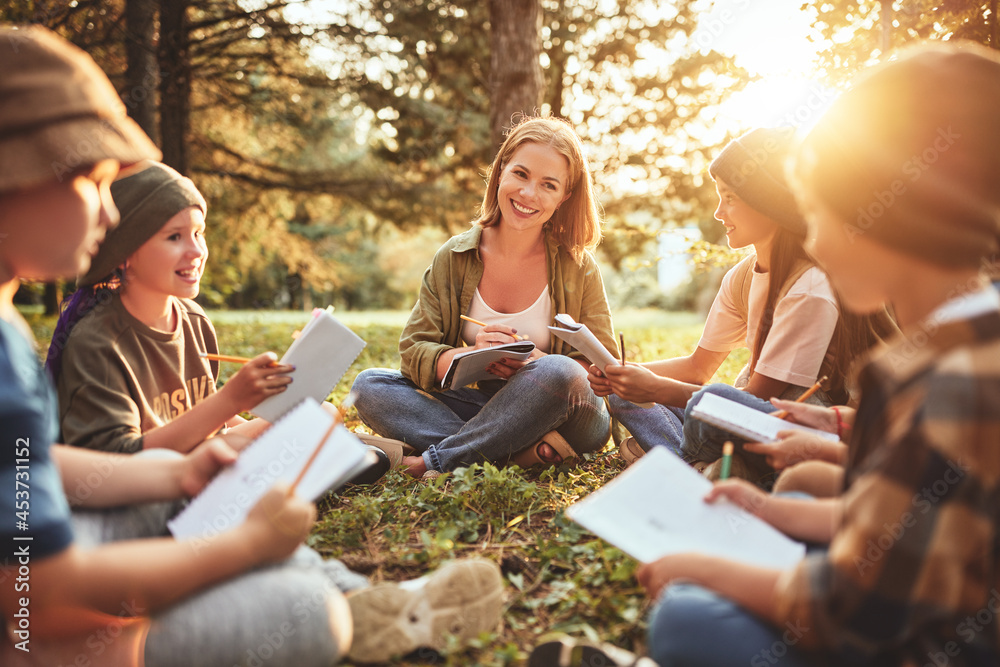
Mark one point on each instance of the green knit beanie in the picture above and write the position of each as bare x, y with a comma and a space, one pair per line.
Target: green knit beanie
754, 167
147, 200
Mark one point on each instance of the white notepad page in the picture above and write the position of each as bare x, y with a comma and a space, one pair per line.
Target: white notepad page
656, 508
583, 340
279, 453
321, 355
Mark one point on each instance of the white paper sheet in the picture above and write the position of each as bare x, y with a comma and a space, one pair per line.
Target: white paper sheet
656, 508
279, 453
321, 355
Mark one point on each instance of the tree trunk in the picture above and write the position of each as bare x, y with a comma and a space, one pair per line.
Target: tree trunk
52, 297
175, 83
556, 71
885, 17
994, 26
515, 73
142, 73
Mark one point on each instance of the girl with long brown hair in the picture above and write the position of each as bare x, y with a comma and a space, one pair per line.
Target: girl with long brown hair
776, 302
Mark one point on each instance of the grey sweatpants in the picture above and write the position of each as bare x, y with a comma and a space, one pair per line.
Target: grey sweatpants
274, 615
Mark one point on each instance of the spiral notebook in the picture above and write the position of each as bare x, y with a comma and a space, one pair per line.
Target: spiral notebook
584, 341
279, 453
470, 366
321, 355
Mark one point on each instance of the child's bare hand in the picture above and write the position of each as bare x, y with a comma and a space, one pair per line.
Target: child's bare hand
279, 523
740, 493
599, 382
633, 382
203, 463
808, 414
260, 378
792, 447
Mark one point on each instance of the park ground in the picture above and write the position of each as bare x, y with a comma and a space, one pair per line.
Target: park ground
558, 577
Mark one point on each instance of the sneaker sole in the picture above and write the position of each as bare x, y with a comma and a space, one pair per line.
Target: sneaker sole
460, 599
569, 652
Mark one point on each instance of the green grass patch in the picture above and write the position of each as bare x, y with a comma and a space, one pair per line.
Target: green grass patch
559, 577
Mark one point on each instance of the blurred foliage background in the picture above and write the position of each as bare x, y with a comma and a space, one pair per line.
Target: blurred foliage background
339, 143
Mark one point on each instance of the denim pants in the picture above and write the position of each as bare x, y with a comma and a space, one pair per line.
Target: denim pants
490, 423
658, 426
694, 627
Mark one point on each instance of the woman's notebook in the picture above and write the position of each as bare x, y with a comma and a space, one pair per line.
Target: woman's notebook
321, 355
746, 422
470, 366
279, 453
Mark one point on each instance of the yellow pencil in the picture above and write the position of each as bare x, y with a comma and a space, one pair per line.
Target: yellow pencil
223, 357
483, 324
783, 414
338, 419
312, 457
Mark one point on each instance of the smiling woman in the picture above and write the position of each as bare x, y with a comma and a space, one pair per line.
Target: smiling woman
525, 259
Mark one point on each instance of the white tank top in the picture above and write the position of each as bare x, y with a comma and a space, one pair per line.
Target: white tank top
532, 322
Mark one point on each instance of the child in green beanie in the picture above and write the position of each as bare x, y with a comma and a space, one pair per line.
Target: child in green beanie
125, 354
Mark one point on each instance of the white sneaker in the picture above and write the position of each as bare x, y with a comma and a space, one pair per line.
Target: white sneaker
462, 598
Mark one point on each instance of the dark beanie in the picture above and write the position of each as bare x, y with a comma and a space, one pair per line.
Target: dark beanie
754, 167
147, 200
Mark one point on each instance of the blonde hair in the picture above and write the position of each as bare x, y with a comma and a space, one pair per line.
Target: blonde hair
576, 224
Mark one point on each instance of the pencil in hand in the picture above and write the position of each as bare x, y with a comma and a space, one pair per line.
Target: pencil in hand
223, 357
621, 346
337, 419
783, 414
483, 324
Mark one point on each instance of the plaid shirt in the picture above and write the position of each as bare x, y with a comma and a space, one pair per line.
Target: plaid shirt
913, 572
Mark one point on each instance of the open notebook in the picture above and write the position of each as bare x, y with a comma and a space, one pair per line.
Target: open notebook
754, 425
279, 453
656, 507
321, 355
470, 366
584, 341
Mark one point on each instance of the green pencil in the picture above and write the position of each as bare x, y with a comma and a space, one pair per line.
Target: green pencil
727, 460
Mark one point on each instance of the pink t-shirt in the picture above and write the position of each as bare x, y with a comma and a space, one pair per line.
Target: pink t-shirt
800, 333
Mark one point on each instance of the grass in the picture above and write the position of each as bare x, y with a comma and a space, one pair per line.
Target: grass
559, 577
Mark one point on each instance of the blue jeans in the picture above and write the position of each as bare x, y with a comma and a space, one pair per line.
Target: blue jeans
490, 423
658, 426
694, 627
